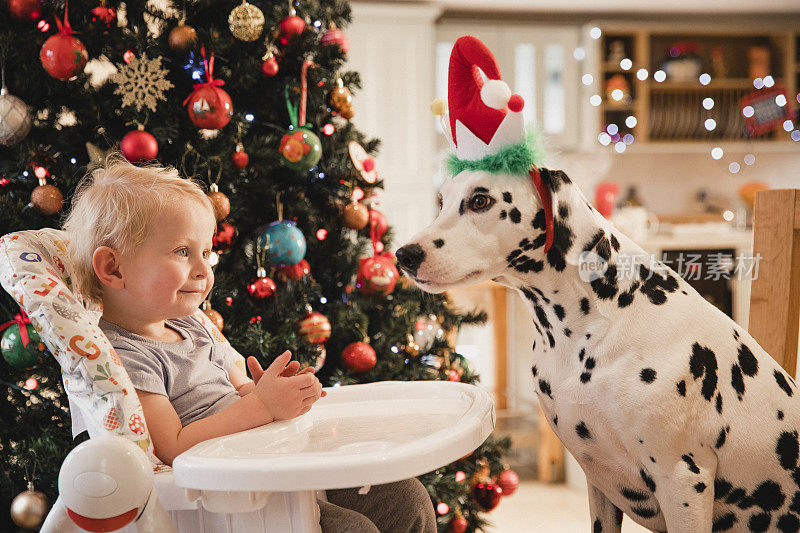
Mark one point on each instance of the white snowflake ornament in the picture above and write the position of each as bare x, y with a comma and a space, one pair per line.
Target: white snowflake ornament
141, 82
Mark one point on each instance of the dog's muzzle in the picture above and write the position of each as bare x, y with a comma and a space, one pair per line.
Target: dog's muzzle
410, 257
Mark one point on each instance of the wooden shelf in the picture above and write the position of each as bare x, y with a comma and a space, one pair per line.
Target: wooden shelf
618, 107
721, 83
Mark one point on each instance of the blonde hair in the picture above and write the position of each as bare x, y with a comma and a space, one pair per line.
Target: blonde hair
114, 206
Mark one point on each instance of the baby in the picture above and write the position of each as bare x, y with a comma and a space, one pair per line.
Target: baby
140, 240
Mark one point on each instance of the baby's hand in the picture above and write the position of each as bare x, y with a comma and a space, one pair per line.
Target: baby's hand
285, 396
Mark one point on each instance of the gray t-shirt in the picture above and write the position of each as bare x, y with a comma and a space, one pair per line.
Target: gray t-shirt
192, 373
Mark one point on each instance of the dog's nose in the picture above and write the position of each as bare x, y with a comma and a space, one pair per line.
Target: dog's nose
410, 257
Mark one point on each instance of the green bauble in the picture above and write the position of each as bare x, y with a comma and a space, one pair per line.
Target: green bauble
21, 356
301, 149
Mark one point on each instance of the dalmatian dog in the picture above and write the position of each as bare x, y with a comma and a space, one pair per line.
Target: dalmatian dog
678, 417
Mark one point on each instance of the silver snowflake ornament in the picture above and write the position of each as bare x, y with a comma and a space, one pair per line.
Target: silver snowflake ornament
141, 82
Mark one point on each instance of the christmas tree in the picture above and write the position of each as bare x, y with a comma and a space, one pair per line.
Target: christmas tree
254, 100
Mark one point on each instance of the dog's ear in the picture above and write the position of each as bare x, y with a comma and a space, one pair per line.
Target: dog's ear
554, 179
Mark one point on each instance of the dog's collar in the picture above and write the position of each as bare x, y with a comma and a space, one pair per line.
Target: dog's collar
547, 206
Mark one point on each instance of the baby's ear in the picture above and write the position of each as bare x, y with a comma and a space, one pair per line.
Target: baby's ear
106, 264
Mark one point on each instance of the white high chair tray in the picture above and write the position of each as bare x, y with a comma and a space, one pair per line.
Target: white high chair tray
357, 435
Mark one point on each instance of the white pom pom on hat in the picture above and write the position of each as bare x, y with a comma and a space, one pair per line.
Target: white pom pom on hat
495, 94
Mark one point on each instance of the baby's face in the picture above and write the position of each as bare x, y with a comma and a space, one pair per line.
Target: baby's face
170, 274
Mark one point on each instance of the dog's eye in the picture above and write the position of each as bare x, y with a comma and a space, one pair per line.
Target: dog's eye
480, 202
440, 202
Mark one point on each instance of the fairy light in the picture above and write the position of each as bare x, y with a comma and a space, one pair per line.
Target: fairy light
322, 234
328, 129
734, 167
579, 53
788, 125
460, 476
781, 100
43, 26
660, 76
749, 159
127, 56
769, 81
229, 301
717, 153
758, 83
796, 135
631, 121
705, 78
395, 349
595, 100
587, 79
612, 129
442, 508
627, 139
40, 172
617, 94
249, 117
358, 194
595, 33
31, 383
619, 147
642, 74
710, 124
748, 111
604, 139
626, 64
708, 103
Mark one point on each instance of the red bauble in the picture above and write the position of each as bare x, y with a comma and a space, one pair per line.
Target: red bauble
25, 9
458, 525
487, 495
209, 107
63, 56
292, 26
378, 220
336, 36
106, 14
223, 238
452, 375
508, 481
294, 272
269, 67
262, 287
359, 357
377, 275
138, 145
315, 328
240, 158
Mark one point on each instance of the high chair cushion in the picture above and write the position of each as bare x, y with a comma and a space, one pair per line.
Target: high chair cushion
35, 270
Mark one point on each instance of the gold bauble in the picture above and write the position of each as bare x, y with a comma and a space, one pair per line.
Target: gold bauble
182, 38
341, 100
221, 203
47, 199
29, 508
215, 317
355, 215
246, 22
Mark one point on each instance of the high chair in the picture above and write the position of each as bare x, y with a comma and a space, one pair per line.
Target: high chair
263, 479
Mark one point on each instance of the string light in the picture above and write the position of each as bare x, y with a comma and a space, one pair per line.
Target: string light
780, 100
749, 159
229, 301
660, 76
460, 476
748, 111
249, 117
626, 64
40, 172
717, 153
587, 79
734, 167
579, 54
442, 508
323, 300
788, 125
43, 26
127, 56
322, 234
595, 33
595, 100
358, 194
631, 121
328, 129
642, 74
708, 103
31, 383
705, 79
769, 81
710, 124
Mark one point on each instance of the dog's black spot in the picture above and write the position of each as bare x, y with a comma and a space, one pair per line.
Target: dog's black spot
533, 346
700, 487
735, 495
634, 495
780, 379
747, 361
719, 402
567, 332
534, 370
684, 292
780, 414
655, 286
590, 362
438, 243
515, 216
503, 214
681, 388
562, 242
720, 438
582, 431
788, 450
555, 420
605, 287
523, 263
553, 178
721, 488
585, 377
648, 480
596, 238
563, 210
653, 459
581, 354
691, 464
703, 362
544, 386
759, 522
588, 336
559, 310
737, 381
614, 243
648, 375
788, 523
644, 512
769, 496
736, 335
724, 522
626, 298
551, 339
597, 527
603, 249
618, 515
585, 306
507, 197
541, 315
538, 221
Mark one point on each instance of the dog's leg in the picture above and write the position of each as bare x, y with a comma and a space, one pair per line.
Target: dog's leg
686, 496
606, 517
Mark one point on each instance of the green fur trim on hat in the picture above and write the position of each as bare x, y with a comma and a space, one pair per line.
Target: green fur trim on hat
511, 159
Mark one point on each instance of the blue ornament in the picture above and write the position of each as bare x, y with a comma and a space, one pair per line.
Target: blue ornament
286, 244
